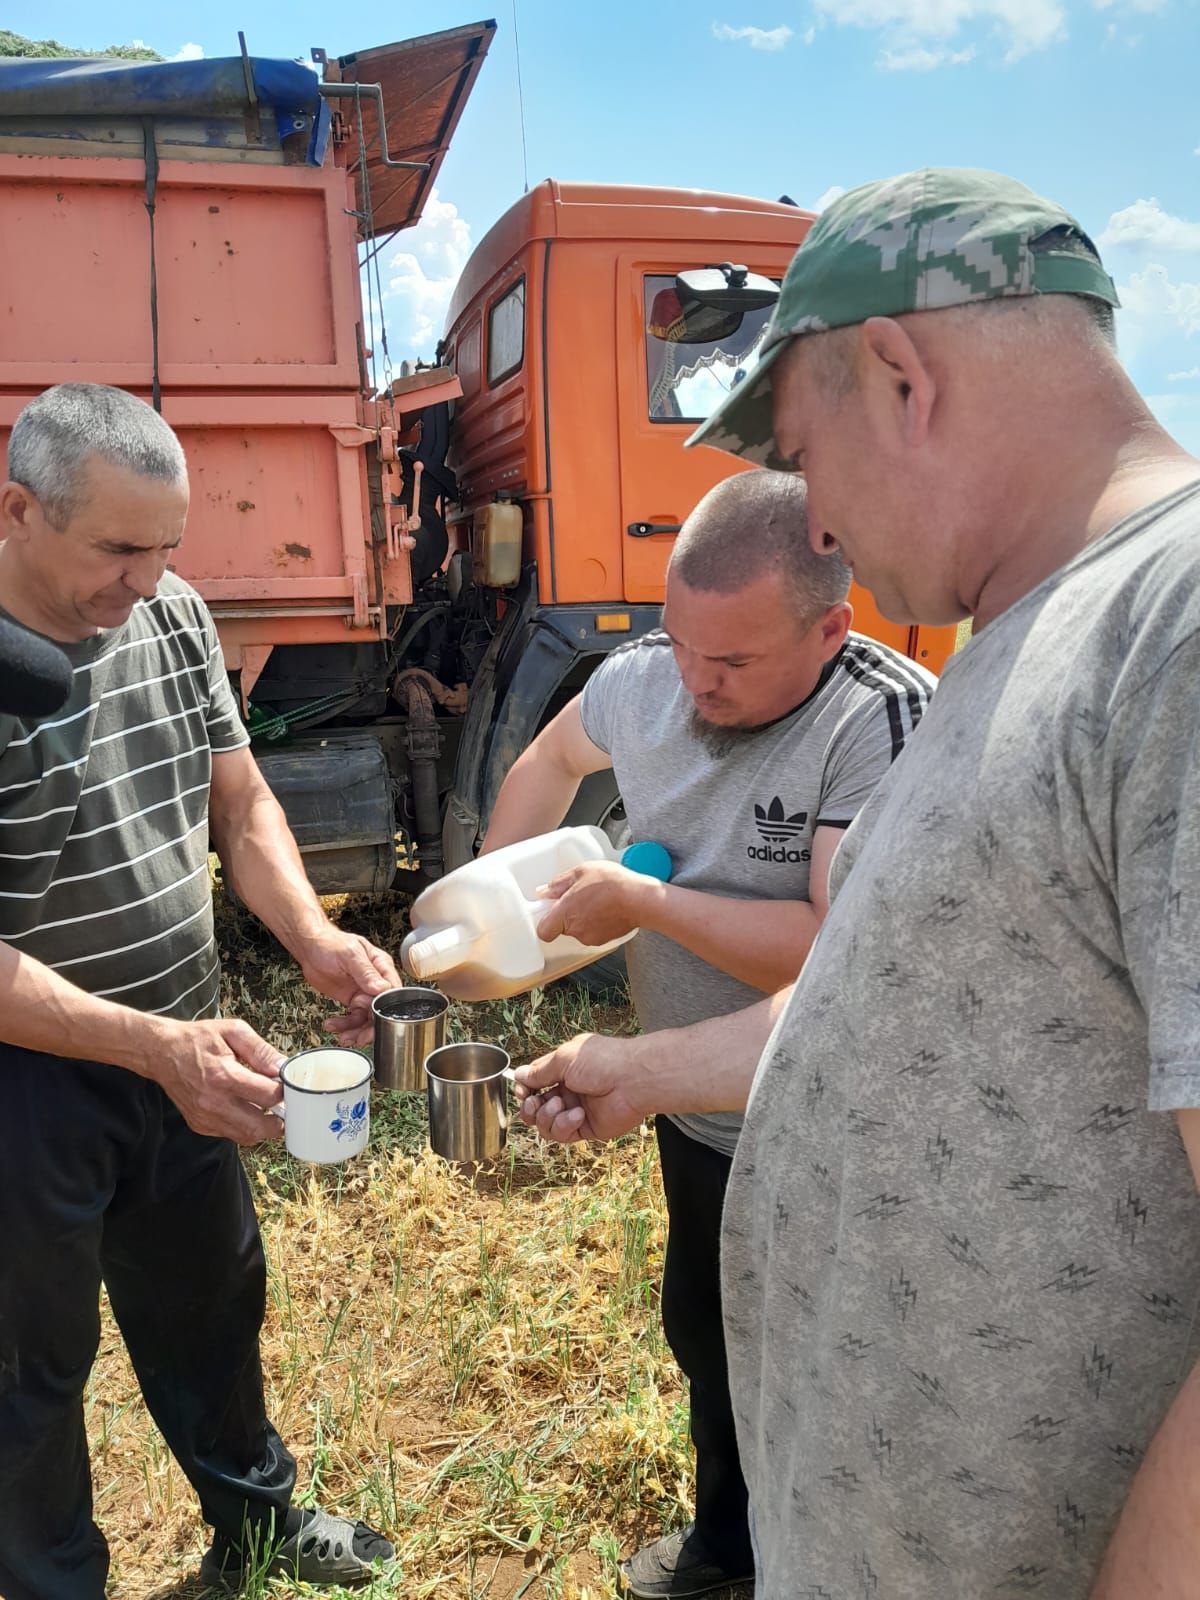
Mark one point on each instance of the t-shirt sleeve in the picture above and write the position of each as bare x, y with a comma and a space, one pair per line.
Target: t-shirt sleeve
1149, 820
226, 730
600, 705
868, 741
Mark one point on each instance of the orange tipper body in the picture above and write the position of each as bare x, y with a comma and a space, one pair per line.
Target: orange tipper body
578, 425
262, 359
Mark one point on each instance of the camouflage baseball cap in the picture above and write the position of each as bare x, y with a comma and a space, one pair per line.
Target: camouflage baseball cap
940, 237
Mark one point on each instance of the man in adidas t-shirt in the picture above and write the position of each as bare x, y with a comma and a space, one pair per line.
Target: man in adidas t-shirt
745, 736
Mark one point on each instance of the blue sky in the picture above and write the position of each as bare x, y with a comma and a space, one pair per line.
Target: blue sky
1093, 102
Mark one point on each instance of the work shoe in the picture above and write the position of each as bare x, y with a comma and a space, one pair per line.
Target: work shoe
677, 1566
324, 1549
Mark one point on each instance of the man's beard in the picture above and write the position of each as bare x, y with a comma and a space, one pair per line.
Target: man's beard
718, 739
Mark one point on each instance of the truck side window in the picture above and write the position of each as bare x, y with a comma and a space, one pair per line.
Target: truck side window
687, 380
468, 359
506, 334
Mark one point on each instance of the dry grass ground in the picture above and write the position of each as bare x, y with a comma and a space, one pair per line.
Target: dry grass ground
474, 1364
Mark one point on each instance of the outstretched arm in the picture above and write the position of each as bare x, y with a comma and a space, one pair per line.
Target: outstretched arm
543, 780
261, 857
593, 1087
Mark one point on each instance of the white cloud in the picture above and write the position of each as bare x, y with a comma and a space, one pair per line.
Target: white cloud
757, 38
810, 34
1158, 323
918, 58
834, 192
187, 52
419, 278
1146, 223
1153, 293
1157, 312
1021, 25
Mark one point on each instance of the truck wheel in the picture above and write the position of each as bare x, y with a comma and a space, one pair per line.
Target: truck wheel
599, 803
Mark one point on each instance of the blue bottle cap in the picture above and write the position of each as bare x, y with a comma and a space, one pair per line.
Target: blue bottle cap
649, 858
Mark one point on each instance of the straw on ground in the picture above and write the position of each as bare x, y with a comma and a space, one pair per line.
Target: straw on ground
473, 1363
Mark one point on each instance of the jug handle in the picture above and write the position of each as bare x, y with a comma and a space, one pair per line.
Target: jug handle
538, 908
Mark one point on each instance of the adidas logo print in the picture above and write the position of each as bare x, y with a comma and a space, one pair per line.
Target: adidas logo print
776, 826
779, 830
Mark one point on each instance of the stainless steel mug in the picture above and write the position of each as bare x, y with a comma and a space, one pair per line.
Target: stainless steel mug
410, 1024
468, 1101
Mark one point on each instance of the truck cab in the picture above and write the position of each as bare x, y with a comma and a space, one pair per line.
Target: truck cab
580, 384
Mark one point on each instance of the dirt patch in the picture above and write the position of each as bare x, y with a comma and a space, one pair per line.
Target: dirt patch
510, 1576
513, 1175
421, 1428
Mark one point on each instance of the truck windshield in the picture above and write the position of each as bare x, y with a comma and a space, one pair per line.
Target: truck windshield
688, 380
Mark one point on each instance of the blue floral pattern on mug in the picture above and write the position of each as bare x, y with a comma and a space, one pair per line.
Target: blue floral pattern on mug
349, 1120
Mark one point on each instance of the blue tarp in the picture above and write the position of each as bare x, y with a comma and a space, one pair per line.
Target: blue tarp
178, 89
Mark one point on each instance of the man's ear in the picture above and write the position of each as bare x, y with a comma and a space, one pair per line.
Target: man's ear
893, 372
19, 508
835, 625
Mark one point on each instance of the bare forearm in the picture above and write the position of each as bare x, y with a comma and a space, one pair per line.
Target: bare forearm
42, 1011
262, 862
762, 943
1155, 1551
709, 1066
534, 798
594, 1087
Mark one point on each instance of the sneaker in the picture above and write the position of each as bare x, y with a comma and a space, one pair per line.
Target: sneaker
676, 1566
324, 1549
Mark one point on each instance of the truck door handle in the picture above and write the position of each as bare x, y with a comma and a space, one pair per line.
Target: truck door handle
644, 530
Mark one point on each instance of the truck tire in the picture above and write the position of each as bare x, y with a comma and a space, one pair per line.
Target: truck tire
599, 803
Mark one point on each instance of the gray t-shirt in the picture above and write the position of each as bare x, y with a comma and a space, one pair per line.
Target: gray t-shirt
740, 824
961, 1253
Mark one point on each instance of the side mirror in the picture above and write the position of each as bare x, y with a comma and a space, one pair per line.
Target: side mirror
709, 303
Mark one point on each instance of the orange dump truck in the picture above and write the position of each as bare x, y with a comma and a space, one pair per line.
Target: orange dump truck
409, 574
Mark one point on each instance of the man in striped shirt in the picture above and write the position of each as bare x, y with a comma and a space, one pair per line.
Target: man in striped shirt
123, 1093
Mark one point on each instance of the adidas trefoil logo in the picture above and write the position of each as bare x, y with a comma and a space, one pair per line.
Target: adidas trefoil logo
776, 826
782, 832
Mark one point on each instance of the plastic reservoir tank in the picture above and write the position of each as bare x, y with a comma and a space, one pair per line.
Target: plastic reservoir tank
475, 930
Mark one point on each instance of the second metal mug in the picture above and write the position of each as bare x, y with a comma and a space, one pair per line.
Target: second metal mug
468, 1101
410, 1024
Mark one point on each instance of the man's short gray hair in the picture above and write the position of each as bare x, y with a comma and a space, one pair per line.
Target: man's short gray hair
752, 524
1005, 326
55, 434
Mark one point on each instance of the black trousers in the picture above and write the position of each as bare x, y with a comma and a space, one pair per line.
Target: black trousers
695, 1178
101, 1178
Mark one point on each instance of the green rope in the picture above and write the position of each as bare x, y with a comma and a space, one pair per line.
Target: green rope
268, 729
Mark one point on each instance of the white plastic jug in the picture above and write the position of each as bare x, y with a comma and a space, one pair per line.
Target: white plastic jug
475, 930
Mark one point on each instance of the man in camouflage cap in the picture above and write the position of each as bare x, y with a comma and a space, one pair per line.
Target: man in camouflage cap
925, 241
961, 1250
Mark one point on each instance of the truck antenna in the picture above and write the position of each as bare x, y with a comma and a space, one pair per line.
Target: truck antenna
520, 96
